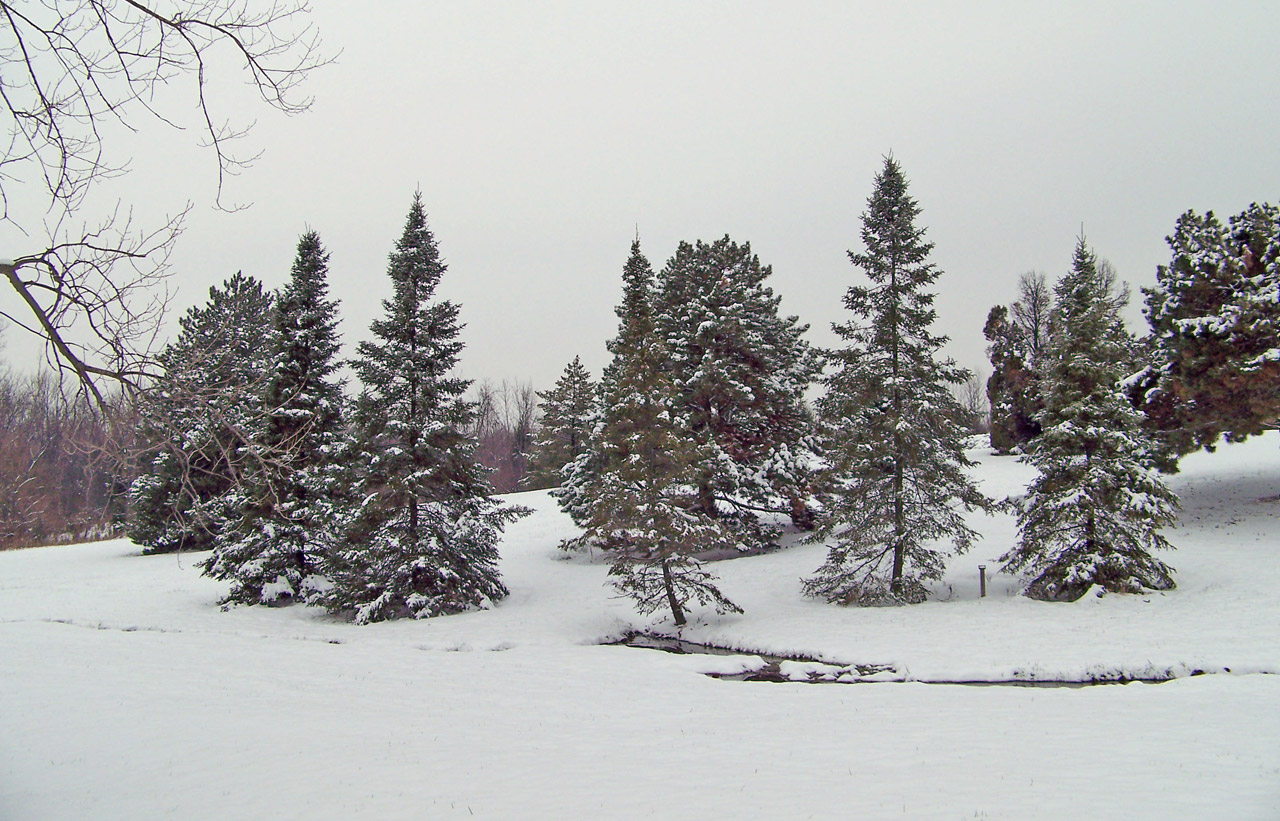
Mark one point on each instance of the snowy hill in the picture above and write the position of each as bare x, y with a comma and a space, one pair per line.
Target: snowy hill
126, 693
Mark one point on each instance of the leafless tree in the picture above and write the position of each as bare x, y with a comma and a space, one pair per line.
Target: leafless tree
973, 399
72, 69
505, 420
1111, 284
1031, 313
59, 477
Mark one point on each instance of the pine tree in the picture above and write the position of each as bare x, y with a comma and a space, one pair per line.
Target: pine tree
638, 504
423, 539
569, 412
195, 417
1093, 515
581, 476
894, 441
1215, 332
741, 370
273, 549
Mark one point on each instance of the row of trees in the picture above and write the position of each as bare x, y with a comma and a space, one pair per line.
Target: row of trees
374, 509
695, 439
1209, 367
60, 459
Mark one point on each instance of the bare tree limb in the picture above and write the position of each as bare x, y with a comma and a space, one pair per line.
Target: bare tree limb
70, 68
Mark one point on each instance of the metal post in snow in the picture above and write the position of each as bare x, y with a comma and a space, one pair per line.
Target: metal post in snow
982, 581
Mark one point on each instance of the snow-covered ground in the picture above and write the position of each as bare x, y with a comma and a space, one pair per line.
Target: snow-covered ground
126, 693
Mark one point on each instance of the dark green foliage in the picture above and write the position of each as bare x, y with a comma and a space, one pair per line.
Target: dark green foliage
570, 411
1018, 337
1093, 515
422, 539
637, 503
196, 416
741, 371
892, 427
1013, 388
1215, 332
581, 476
272, 548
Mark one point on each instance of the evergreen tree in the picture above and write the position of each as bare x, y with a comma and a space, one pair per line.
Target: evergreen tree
1013, 387
1093, 515
423, 539
741, 371
1215, 332
273, 549
194, 418
638, 503
894, 441
569, 412
581, 476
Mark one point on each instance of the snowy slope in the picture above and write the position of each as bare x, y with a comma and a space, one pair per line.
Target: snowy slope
126, 693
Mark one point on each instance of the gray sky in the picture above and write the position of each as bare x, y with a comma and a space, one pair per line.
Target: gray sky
542, 135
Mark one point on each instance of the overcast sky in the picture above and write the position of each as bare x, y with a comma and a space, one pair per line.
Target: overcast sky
544, 135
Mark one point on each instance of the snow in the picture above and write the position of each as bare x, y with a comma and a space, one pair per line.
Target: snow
126, 693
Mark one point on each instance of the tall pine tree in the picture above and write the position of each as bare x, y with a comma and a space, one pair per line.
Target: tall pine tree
1093, 515
638, 501
741, 370
194, 419
893, 433
569, 413
581, 476
273, 548
423, 538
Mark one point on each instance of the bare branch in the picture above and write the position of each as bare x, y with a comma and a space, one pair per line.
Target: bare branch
70, 65
68, 69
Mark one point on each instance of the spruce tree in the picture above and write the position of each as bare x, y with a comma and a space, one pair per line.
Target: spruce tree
638, 503
1093, 515
423, 539
273, 548
569, 413
741, 370
581, 476
1215, 332
893, 434
195, 417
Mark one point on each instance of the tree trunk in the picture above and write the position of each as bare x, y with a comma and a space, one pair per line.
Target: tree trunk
899, 525
707, 499
677, 612
801, 515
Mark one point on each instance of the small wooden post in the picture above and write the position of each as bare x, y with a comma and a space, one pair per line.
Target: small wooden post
982, 581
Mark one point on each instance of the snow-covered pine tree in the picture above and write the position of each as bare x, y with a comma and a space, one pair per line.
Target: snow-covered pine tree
422, 539
1093, 515
741, 370
273, 547
569, 412
194, 418
893, 435
638, 503
1215, 332
579, 477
